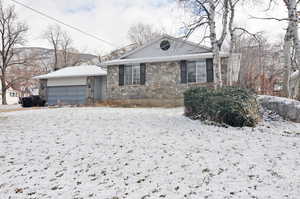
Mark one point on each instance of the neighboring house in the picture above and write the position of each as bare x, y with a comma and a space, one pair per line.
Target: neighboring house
12, 96
159, 72
73, 85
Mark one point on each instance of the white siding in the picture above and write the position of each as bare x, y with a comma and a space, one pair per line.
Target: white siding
67, 81
235, 64
176, 48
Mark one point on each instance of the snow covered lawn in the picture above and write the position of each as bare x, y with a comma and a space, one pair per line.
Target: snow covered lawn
119, 153
7, 107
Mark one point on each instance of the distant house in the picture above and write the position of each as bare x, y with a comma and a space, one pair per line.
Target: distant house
12, 96
159, 72
73, 85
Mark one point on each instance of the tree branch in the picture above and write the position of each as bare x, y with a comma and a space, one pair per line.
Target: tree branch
271, 18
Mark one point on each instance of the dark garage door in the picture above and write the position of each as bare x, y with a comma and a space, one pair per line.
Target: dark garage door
66, 95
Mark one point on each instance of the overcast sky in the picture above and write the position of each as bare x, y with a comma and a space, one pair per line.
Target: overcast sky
111, 19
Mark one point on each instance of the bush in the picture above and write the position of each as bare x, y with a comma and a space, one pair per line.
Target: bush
230, 105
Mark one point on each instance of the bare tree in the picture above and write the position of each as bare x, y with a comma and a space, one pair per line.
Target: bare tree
20, 77
142, 33
65, 44
206, 12
64, 52
262, 64
232, 5
291, 44
292, 37
54, 36
72, 58
12, 33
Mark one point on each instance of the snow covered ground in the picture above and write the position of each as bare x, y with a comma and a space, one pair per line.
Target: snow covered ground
10, 107
137, 153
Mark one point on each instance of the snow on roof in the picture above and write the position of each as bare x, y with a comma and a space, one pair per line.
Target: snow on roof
75, 71
162, 59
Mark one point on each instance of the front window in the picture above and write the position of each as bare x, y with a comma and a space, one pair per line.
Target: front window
132, 74
13, 94
196, 71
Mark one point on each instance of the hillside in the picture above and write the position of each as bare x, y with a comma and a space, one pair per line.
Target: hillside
45, 56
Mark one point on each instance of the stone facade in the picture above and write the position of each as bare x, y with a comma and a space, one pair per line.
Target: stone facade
90, 90
43, 89
163, 85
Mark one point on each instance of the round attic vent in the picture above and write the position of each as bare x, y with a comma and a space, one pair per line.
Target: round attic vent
165, 45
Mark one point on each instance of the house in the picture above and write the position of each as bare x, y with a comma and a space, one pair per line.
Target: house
12, 96
73, 85
159, 72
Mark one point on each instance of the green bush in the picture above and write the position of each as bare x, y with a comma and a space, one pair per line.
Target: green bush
228, 105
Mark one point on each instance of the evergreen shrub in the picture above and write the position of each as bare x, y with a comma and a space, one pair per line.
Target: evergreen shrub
233, 106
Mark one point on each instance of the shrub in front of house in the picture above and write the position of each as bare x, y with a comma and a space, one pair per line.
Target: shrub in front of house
228, 105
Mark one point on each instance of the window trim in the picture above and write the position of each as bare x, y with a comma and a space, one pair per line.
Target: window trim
132, 74
196, 76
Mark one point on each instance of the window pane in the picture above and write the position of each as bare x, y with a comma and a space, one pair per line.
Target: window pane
128, 75
136, 74
191, 71
201, 71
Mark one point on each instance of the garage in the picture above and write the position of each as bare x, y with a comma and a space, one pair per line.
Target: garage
66, 94
73, 85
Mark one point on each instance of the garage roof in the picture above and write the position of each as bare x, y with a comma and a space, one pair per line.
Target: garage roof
75, 71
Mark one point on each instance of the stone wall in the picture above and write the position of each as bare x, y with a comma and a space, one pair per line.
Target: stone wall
43, 89
287, 108
162, 84
90, 90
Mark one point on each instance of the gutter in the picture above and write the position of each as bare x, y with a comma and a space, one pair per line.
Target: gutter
162, 59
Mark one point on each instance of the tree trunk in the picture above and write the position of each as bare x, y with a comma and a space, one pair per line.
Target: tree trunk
55, 62
287, 64
3, 89
217, 68
294, 25
65, 54
232, 43
55, 67
291, 39
215, 47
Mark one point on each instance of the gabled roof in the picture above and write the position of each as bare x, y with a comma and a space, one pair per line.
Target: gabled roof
165, 36
75, 71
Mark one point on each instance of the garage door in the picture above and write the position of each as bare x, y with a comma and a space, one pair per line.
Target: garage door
66, 95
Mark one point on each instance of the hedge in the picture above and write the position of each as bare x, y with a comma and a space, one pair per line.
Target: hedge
228, 105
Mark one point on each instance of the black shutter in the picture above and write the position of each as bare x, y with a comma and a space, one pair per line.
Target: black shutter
209, 70
183, 71
143, 73
121, 75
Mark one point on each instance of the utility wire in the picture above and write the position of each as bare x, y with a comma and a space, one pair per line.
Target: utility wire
63, 23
